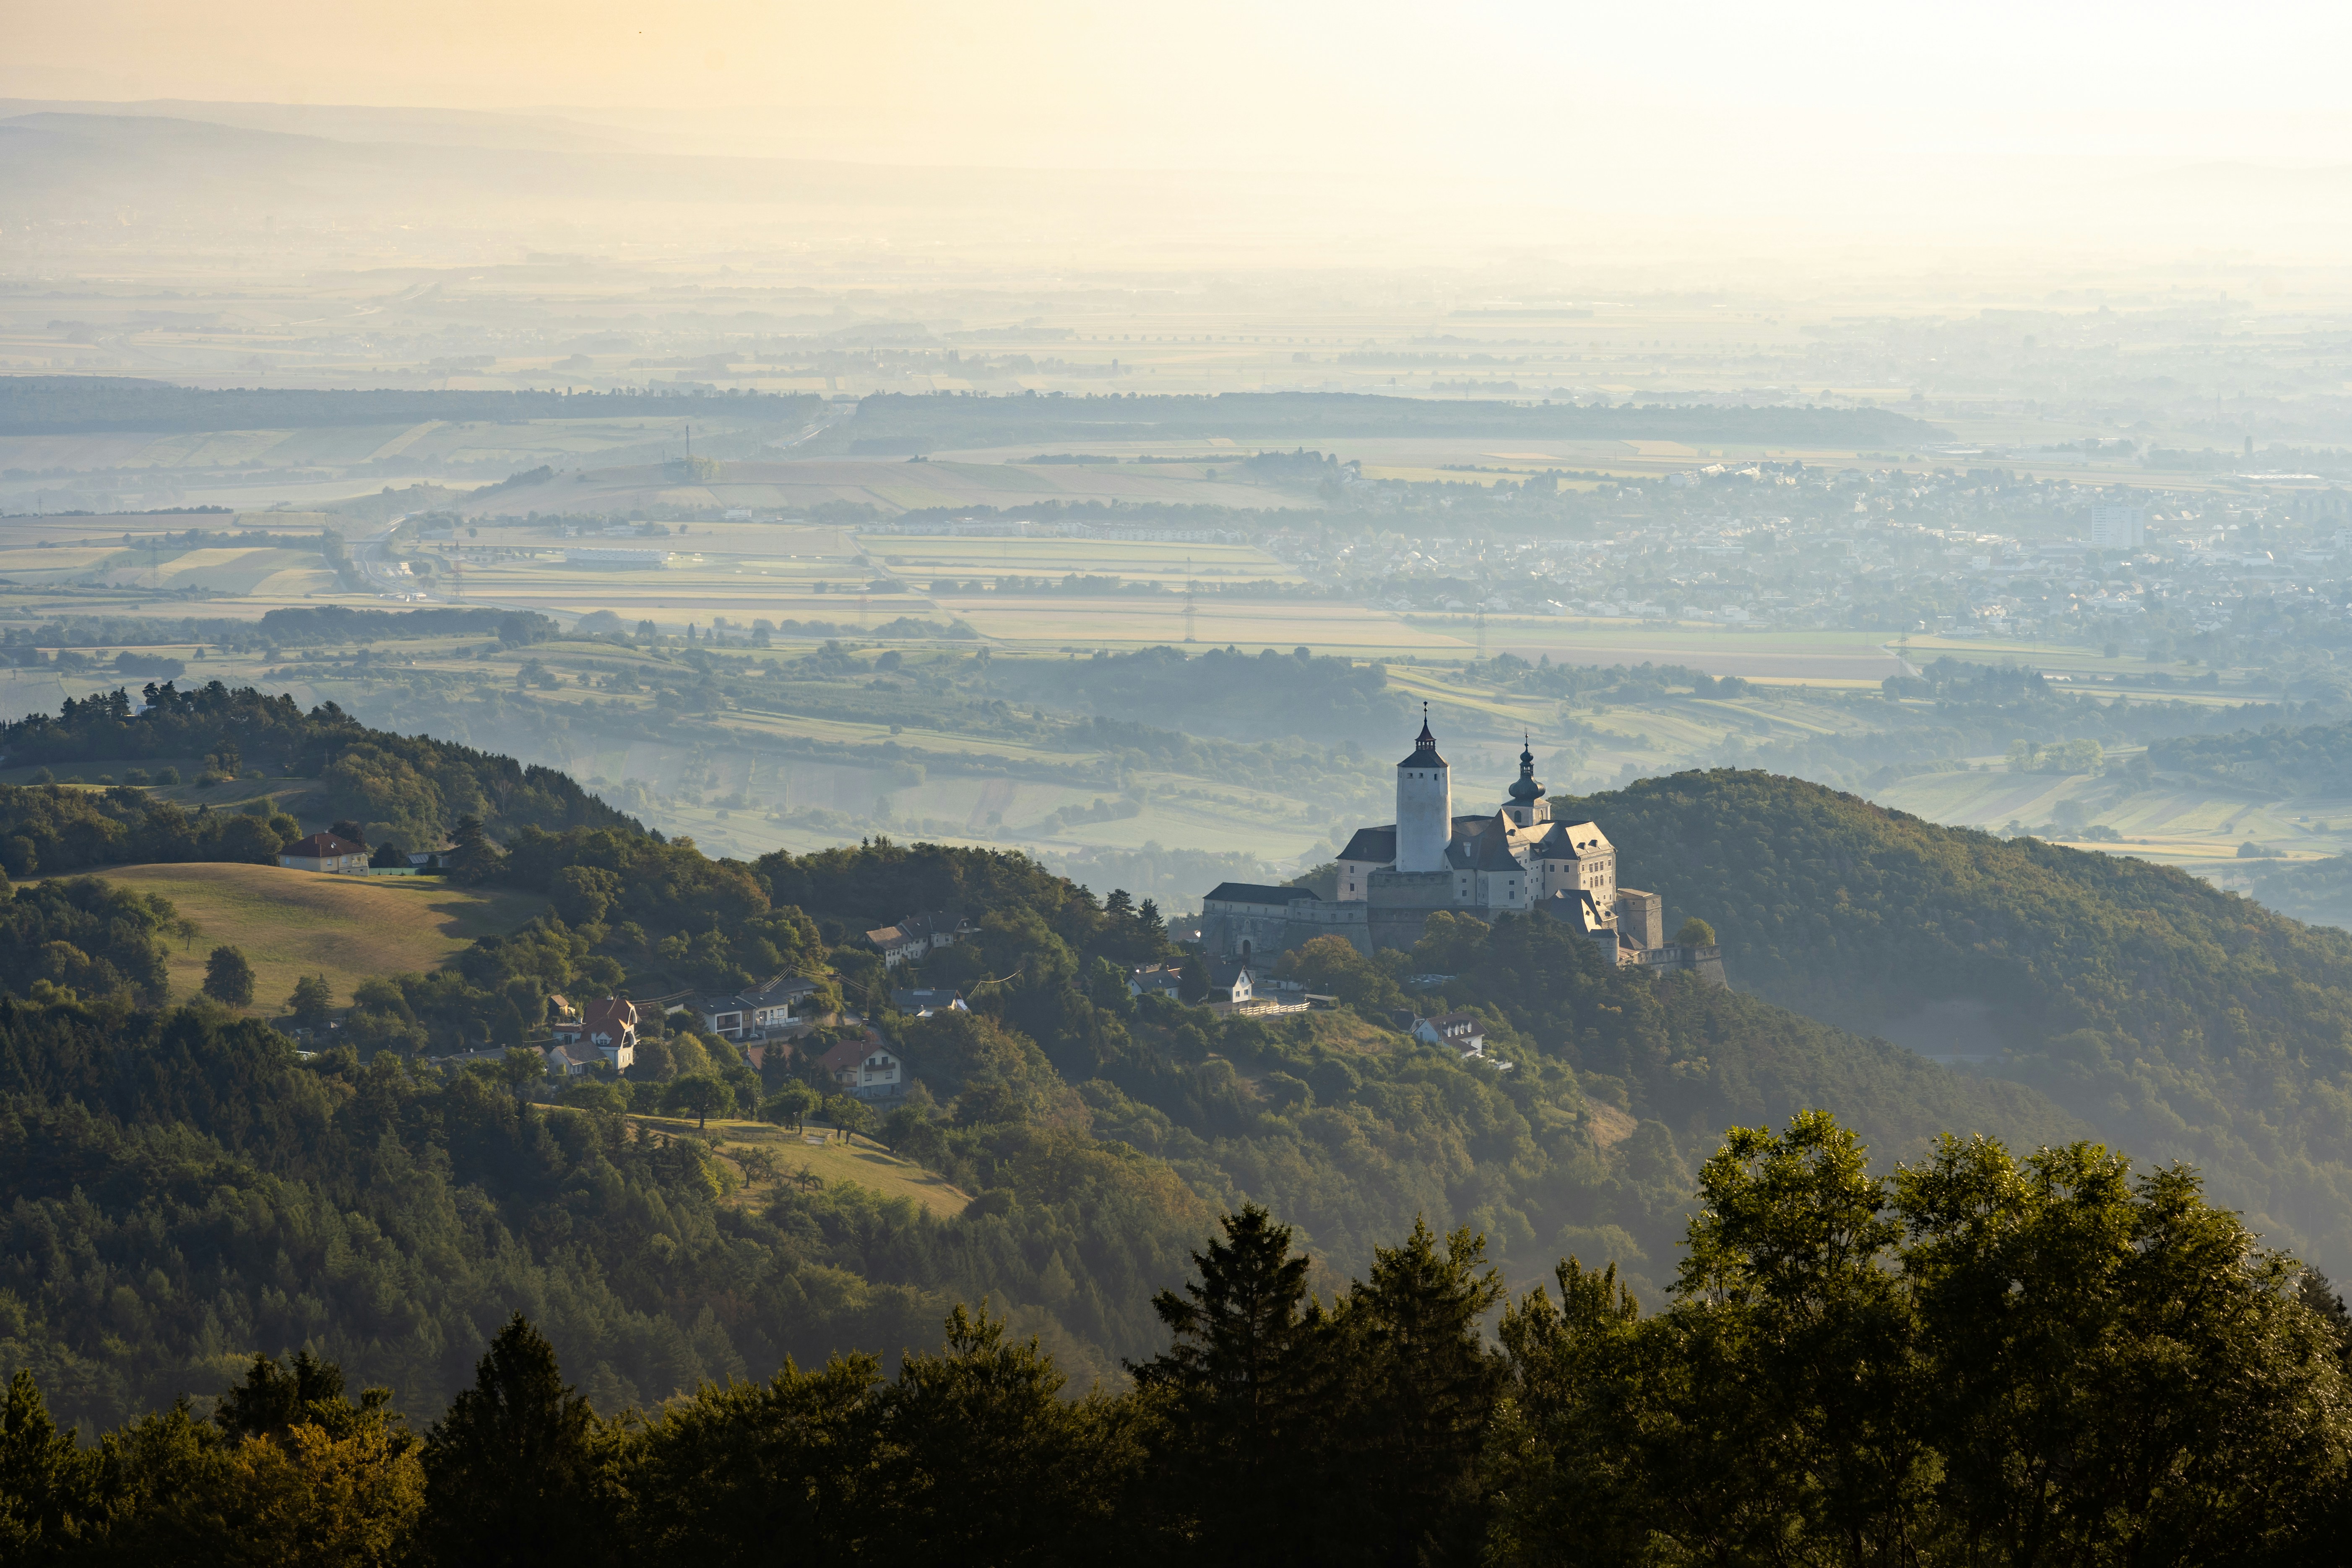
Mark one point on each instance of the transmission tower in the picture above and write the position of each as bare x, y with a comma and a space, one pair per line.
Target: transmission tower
1482, 633
1188, 599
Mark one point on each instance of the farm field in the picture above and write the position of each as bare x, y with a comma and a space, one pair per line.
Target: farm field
1792, 657
2186, 826
922, 555
293, 923
892, 485
860, 1162
1146, 621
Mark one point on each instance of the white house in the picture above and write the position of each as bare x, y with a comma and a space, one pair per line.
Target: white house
866, 1069
609, 1027
1459, 1030
561, 1063
324, 852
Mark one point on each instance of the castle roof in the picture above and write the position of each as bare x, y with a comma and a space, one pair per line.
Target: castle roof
1525, 790
1424, 747
1574, 841
1485, 848
1377, 845
1258, 893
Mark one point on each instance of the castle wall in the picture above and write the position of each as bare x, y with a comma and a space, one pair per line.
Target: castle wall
1261, 932
1400, 902
1675, 958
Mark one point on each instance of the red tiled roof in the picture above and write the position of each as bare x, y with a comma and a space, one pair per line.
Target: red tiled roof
850, 1053
610, 1011
323, 847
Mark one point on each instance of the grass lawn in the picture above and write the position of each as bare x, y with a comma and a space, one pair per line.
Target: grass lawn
293, 923
861, 1161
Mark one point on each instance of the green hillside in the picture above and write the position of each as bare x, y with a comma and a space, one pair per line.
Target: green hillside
399, 1207
2181, 1021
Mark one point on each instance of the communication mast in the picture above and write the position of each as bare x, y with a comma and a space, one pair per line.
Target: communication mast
1189, 597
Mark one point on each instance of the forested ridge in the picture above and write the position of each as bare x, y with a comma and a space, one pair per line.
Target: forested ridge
1100, 1130
1982, 1360
186, 1193
412, 787
2182, 1020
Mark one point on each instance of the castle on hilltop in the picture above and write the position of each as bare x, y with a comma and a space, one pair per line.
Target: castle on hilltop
1518, 859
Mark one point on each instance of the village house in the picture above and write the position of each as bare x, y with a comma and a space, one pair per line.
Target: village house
608, 1026
1462, 1031
866, 1069
1229, 983
749, 1014
924, 1002
563, 1063
324, 852
1157, 980
915, 935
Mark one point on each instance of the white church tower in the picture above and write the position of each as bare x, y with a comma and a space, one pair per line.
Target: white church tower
1425, 806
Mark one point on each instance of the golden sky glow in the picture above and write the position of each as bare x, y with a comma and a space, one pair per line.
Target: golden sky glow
1519, 90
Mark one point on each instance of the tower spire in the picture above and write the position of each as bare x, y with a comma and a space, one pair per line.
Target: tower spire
1526, 791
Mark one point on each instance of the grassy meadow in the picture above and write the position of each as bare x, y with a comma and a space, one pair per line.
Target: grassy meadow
293, 923
858, 1162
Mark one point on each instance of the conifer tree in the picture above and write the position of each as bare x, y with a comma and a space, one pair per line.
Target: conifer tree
51, 1496
1243, 1376
1419, 1387
511, 1470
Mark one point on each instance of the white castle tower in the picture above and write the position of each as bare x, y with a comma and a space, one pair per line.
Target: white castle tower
1425, 806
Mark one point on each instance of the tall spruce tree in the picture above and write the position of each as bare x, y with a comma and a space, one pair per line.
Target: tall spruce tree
512, 1469
52, 1491
1417, 1388
1244, 1377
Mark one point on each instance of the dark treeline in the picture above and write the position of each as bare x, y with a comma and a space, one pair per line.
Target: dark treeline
45, 829
290, 626
411, 787
1980, 1361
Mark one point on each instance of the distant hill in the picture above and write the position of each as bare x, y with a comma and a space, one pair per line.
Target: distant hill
895, 424
2182, 1021
898, 423
80, 405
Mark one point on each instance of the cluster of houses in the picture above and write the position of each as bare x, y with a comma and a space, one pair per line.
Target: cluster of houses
772, 1016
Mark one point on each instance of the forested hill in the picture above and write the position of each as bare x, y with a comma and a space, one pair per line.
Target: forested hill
408, 787
2183, 1022
2309, 759
185, 1191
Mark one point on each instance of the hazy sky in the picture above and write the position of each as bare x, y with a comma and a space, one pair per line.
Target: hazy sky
1531, 90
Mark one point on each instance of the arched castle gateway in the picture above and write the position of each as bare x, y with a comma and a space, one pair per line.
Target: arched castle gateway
1519, 859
